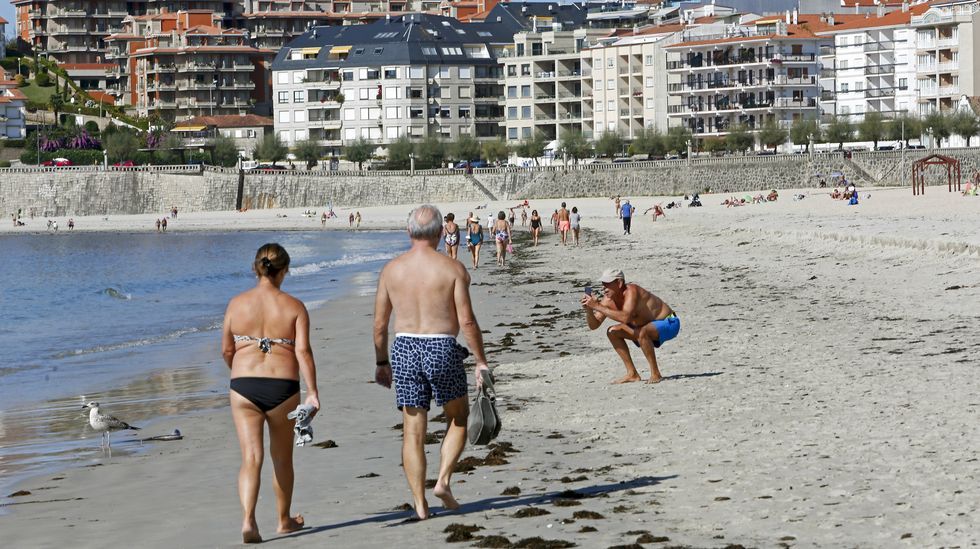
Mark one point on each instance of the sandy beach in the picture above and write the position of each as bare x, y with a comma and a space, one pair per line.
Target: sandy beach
822, 393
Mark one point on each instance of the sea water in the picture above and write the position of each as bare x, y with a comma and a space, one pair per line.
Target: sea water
133, 320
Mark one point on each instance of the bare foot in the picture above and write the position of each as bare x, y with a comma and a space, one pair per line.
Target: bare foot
446, 495
629, 378
655, 380
250, 534
291, 524
422, 510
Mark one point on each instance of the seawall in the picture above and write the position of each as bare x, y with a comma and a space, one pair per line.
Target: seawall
92, 191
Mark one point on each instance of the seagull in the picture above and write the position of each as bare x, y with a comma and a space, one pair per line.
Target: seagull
105, 424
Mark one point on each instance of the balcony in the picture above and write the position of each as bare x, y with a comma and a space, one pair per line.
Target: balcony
198, 67
951, 42
326, 123
828, 96
70, 31
949, 90
951, 66
196, 104
782, 80
793, 58
236, 67
877, 70
161, 69
162, 104
879, 93
792, 103
237, 85
64, 14
161, 86
874, 47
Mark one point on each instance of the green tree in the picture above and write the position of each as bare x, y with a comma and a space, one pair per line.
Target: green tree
940, 125
649, 142
802, 129
965, 124
905, 127
873, 128
495, 151
64, 90
839, 131
42, 79
430, 153
532, 147
575, 146
465, 149
170, 151
713, 144
308, 151
399, 154
739, 139
771, 135
92, 127
271, 149
359, 151
56, 103
225, 152
609, 144
121, 145
677, 138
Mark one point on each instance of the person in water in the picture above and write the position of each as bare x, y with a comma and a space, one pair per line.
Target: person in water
265, 341
429, 295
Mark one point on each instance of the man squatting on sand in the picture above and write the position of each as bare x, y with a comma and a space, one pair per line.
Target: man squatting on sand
643, 318
429, 295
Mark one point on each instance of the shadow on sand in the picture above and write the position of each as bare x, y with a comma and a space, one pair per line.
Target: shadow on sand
400, 518
678, 377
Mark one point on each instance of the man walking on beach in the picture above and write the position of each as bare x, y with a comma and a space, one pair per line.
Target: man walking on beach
643, 319
429, 294
563, 224
626, 212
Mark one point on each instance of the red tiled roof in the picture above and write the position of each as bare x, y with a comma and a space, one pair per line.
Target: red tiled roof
863, 21
102, 97
3, 21
285, 14
228, 121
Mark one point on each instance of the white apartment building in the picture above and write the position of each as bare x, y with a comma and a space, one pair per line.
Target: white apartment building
413, 75
12, 111
872, 64
946, 39
767, 70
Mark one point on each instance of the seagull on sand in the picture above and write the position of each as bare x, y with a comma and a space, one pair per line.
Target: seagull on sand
105, 424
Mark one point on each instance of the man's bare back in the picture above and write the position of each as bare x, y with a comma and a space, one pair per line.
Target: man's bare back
648, 307
422, 286
563, 214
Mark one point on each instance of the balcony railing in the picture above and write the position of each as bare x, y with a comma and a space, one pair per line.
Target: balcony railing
949, 90
875, 70
57, 14
879, 93
871, 47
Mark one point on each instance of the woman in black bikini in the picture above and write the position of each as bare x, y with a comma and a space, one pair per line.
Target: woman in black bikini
535, 226
265, 341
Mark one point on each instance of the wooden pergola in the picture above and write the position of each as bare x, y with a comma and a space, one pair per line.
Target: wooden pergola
920, 166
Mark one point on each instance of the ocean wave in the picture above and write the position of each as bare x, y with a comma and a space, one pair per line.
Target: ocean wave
311, 268
117, 294
137, 342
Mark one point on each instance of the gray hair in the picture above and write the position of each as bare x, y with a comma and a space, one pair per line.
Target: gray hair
425, 223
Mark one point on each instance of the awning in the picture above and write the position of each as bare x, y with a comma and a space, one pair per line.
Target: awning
309, 51
190, 128
337, 50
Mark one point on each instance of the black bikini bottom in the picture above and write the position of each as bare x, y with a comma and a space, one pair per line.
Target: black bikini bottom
265, 392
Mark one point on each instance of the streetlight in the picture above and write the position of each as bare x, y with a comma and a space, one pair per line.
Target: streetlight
411, 159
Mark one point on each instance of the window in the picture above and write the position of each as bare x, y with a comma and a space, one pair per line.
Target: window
298, 77
282, 77
358, 51
348, 76
416, 112
283, 97
599, 105
452, 51
903, 83
350, 134
393, 132
526, 133
300, 135
284, 136
364, 93
393, 92
465, 92
391, 73
512, 113
843, 87
428, 51
649, 60
298, 96
445, 72
378, 51
365, 113
858, 86
444, 112
238, 134
299, 116
416, 72
526, 69
511, 70
649, 81
526, 91
350, 114
444, 93
651, 103
845, 110
284, 117
392, 113
610, 84
415, 93
512, 133
612, 126
526, 113
465, 72
464, 112
843, 64
611, 105
250, 133
511, 91
609, 62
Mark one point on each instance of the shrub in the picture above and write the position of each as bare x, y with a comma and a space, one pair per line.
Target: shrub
78, 158
20, 80
15, 143
42, 79
92, 126
4, 163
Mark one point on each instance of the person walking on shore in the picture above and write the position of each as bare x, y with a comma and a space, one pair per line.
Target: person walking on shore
451, 234
535, 226
575, 219
357, 221
523, 217
163, 224
563, 224
642, 317
554, 221
619, 211
265, 342
626, 212
429, 296
501, 234
474, 239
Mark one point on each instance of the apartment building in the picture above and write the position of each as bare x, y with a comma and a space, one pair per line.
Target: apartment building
946, 40
871, 66
180, 65
12, 103
409, 75
747, 76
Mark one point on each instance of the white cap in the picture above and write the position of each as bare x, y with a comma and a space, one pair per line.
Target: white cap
610, 275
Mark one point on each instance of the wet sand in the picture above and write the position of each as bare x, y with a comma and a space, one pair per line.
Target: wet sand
822, 392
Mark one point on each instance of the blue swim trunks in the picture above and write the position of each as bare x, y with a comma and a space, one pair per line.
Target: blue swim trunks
667, 329
426, 366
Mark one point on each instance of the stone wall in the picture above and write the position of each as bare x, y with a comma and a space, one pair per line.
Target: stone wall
87, 191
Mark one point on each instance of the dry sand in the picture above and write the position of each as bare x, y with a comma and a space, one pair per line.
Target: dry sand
822, 392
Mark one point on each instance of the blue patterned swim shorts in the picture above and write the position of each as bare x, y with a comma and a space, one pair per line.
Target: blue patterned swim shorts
427, 366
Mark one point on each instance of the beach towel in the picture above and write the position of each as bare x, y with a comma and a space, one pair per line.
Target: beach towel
484, 424
303, 414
